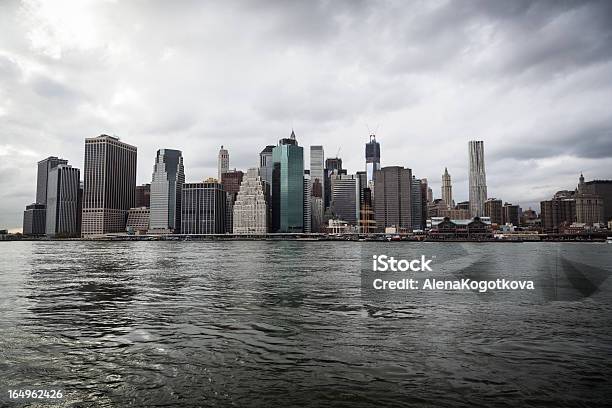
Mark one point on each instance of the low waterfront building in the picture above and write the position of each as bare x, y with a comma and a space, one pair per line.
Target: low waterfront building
203, 208
336, 226
34, 219
446, 229
138, 220
252, 205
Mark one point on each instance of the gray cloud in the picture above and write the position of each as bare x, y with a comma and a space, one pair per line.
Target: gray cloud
531, 78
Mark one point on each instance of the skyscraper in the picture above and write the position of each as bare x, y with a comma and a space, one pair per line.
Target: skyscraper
317, 179
251, 208
602, 188
203, 208
109, 185
589, 206
266, 165
510, 214
222, 162
307, 202
478, 178
345, 197
447, 189
63, 203
493, 209
393, 198
44, 167
166, 184
416, 204
34, 219
372, 156
288, 186
143, 196
231, 181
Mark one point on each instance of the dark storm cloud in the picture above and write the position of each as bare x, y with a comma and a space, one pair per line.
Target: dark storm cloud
531, 78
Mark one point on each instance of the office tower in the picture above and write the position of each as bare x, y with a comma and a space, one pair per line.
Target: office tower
478, 179
231, 181
252, 207
203, 208
424, 201
367, 220
288, 186
265, 164
345, 197
392, 198
44, 167
447, 189
417, 204
34, 219
109, 185
317, 179
307, 211
372, 156
63, 204
222, 162
143, 196
510, 214
318, 213
332, 165
138, 220
602, 188
166, 184
589, 206
561, 209
493, 209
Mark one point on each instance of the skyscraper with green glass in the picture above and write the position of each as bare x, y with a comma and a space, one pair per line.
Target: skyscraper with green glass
288, 186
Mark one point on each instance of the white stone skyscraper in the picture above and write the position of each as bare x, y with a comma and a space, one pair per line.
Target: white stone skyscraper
478, 178
166, 184
447, 189
251, 208
222, 163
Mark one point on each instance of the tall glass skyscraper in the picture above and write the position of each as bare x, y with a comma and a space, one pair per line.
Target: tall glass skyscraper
166, 184
288, 186
63, 202
478, 178
372, 156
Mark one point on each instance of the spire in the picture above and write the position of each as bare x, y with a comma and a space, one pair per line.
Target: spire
292, 134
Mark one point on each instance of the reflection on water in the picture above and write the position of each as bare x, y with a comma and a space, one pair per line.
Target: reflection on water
286, 323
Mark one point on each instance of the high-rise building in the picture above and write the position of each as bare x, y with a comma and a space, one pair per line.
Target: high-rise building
332, 165
266, 165
109, 185
203, 208
417, 205
222, 162
493, 209
345, 197
602, 188
561, 209
372, 156
288, 186
317, 179
511, 214
251, 208
44, 167
63, 202
34, 219
589, 206
478, 178
447, 189
307, 202
231, 181
393, 198
424, 201
143, 196
166, 184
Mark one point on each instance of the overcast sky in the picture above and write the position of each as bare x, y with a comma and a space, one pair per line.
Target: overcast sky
531, 79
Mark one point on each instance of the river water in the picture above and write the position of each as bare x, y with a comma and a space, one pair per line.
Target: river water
267, 323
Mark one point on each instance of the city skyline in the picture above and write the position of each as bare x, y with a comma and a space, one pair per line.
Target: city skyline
518, 76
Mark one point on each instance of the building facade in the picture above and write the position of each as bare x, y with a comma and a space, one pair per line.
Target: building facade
266, 165
231, 181
203, 208
222, 162
393, 198
478, 178
307, 202
109, 185
143, 195
372, 156
447, 189
288, 186
44, 167
418, 223
345, 197
493, 209
252, 205
138, 220
166, 184
34, 219
603, 189
511, 214
63, 202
